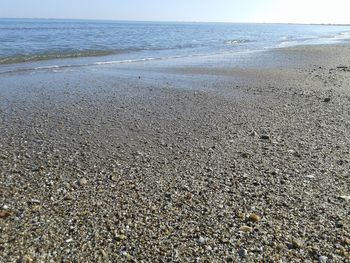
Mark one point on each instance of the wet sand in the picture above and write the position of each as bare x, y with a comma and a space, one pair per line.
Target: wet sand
199, 163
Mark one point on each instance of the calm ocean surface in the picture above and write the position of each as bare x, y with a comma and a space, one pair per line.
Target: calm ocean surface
61, 43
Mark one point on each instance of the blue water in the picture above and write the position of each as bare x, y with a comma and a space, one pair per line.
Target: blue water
66, 42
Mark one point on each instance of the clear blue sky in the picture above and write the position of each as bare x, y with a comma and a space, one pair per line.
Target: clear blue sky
288, 11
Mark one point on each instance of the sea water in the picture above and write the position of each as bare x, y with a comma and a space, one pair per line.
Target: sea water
30, 44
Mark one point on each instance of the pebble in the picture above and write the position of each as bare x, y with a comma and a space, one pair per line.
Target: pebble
265, 137
114, 178
229, 259
189, 196
127, 255
4, 214
322, 259
83, 182
242, 253
201, 240
345, 198
246, 155
26, 259
311, 176
296, 243
68, 197
241, 215
253, 134
104, 253
347, 241
34, 202
246, 229
254, 218
120, 237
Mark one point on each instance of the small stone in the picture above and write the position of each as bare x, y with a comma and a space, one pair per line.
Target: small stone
68, 197
229, 259
246, 229
311, 176
296, 243
70, 240
35, 208
242, 253
265, 137
253, 134
245, 155
104, 253
345, 198
342, 67
128, 256
201, 240
241, 215
83, 182
189, 196
254, 218
114, 178
4, 214
327, 100
34, 202
342, 251
26, 259
338, 246
322, 259
346, 241
120, 237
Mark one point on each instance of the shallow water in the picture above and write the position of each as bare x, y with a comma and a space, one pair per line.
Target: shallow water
36, 44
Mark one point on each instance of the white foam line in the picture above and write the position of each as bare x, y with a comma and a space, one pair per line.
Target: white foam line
48, 67
92, 64
126, 61
102, 63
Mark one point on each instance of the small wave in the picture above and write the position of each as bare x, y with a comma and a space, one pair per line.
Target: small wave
142, 60
342, 36
54, 55
287, 44
22, 58
44, 68
125, 61
286, 37
236, 41
57, 68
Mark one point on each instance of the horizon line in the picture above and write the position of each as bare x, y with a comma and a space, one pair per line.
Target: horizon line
170, 21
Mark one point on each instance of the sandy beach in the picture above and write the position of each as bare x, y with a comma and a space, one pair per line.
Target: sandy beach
192, 163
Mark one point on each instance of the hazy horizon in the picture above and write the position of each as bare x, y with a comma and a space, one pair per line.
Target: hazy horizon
219, 11
164, 21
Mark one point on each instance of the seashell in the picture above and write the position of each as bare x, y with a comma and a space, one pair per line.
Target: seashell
4, 214
246, 229
254, 218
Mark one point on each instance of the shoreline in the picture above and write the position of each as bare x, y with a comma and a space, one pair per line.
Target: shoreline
57, 60
202, 162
